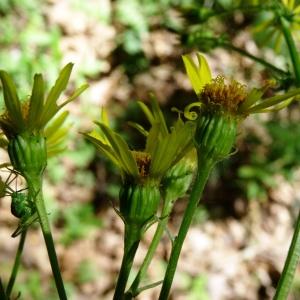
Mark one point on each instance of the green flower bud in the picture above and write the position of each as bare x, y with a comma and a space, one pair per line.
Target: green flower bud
215, 134
178, 179
28, 154
139, 202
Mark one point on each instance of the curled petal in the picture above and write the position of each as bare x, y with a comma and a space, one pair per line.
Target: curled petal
192, 115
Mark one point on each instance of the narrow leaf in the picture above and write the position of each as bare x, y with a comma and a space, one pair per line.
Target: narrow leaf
59, 86
122, 149
50, 106
36, 101
48, 115
147, 112
77, 92
158, 116
254, 96
11, 100
269, 102
152, 139
138, 127
56, 124
105, 150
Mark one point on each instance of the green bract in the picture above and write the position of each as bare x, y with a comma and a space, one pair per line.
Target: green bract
138, 202
28, 154
215, 135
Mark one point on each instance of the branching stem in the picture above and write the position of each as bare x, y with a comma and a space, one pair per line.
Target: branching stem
204, 168
36, 190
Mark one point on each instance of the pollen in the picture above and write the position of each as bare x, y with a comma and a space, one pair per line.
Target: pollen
25, 109
143, 161
218, 94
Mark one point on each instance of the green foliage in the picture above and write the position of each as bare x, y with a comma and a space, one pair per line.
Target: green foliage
79, 220
28, 46
201, 215
32, 287
86, 272
279, 157
198, 289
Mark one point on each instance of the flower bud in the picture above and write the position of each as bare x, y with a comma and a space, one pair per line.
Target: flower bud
215, 134
28, 154
178, 179
138, 202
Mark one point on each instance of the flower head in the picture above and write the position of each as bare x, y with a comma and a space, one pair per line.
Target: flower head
33, 114
219, 95
164, 147
27, 124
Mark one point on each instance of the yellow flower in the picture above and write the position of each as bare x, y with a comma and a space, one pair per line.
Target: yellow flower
218, 94
163, 149
27, 125
38, 110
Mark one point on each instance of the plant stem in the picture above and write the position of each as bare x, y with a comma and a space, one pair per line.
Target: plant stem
291, 262
2, 291
35, 189
131, 242
253, 57
285, 27
15, 269
246, 9
204, 167
167, 207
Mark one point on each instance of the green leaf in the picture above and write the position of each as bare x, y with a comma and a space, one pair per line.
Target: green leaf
252, 98
277, 107
269, 102
36, 101
122, 149
138, 127
56, 124
152, 139
105, 150
158, 116
50, 106
171, 148
59, 86
77, 92
104, 117
147, 112
50, 113
58, 136
11, 100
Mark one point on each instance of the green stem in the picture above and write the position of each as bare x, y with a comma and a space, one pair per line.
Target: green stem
204, 168
285, 27
167, 207
253, 57
131, 242
246, 9
35, 189
15, 269
2, 291
290, 265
